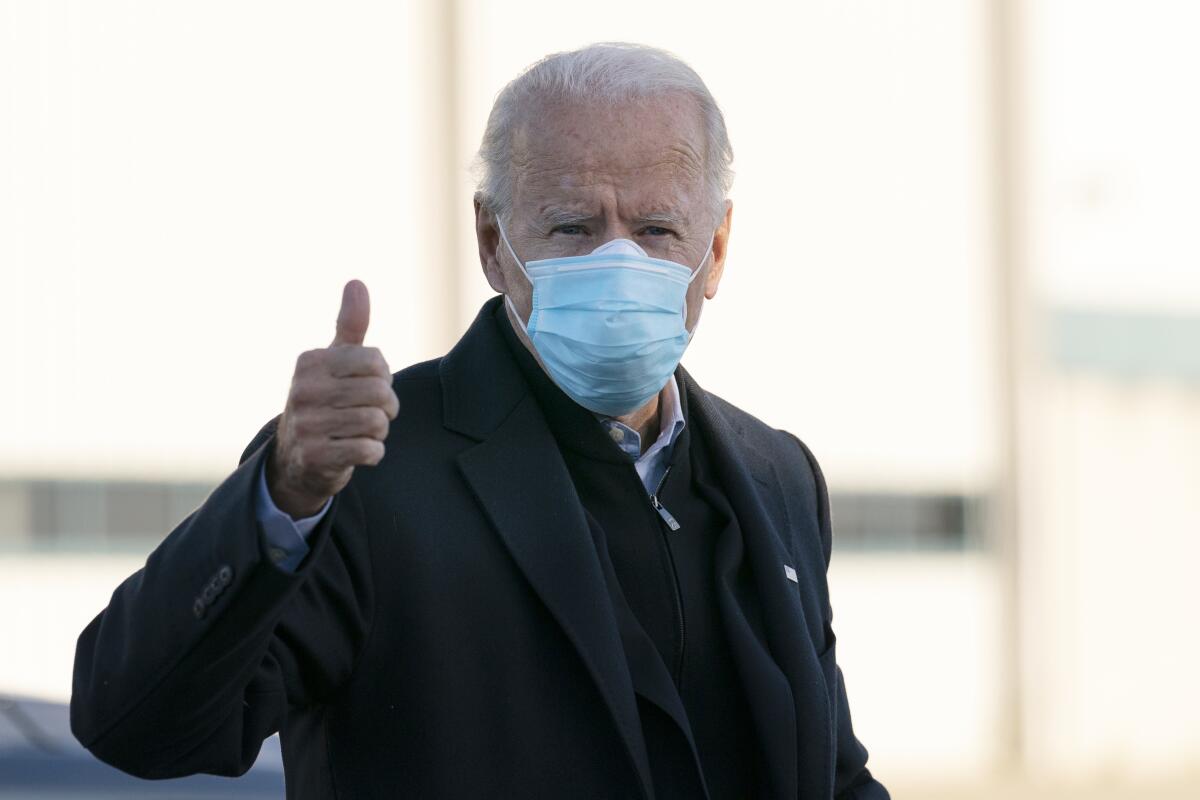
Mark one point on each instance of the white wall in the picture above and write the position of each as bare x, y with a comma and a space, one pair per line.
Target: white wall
185, 189
57, 596
1110, 640
1112, 130
918, 643
1110, 464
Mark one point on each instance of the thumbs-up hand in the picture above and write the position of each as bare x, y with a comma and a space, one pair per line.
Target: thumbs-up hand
338, 413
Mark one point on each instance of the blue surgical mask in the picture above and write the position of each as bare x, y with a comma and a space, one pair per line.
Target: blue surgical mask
610, 326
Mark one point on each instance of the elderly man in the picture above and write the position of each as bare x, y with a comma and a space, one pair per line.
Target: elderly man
545, 565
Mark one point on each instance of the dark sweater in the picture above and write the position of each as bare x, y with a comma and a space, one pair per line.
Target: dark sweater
661, 585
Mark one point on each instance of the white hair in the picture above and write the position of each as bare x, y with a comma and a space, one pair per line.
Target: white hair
608, 72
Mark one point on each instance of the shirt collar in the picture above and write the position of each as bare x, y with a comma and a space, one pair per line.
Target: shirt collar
670, 423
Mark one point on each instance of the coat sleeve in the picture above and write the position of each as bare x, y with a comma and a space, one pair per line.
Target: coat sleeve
200, 653
852, 780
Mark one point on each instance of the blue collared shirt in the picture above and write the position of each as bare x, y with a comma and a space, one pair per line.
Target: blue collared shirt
651, 464
287, 539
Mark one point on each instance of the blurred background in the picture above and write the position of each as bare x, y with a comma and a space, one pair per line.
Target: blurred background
965, 269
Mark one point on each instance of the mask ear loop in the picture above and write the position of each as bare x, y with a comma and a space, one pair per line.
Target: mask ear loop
500, 228
524, 272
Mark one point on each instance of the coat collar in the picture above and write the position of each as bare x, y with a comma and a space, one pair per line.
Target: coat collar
481, 385
486, 397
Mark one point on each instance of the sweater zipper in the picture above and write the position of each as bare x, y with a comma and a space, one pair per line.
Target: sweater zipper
673, 524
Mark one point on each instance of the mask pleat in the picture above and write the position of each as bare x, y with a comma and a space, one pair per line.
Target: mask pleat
609, 326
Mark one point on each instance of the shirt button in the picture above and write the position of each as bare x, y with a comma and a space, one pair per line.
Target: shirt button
277, 554
616, 434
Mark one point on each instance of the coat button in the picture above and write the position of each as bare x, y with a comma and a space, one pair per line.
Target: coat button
198, 608
209, 594
225, 574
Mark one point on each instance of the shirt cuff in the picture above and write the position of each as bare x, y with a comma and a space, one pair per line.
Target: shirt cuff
287, 543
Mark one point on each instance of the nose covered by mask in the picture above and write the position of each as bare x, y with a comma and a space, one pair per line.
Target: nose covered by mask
609, 326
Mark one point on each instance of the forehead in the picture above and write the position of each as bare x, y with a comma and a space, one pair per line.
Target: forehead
648, 151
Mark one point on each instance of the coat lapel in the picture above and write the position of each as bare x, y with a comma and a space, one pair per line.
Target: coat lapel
523, 485
785, 686
542, 524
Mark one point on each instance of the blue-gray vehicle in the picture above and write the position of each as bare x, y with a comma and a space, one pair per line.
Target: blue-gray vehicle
40, 759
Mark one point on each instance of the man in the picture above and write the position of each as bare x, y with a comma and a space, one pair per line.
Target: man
545, 565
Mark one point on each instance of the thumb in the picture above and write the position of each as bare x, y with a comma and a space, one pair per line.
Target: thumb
354, 315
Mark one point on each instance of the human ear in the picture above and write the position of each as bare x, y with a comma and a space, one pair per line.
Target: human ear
720, 247
487, 235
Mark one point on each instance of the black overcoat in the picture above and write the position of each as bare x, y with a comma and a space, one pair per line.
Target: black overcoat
449, 635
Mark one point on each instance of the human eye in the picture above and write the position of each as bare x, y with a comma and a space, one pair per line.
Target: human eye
657, 231
569, 229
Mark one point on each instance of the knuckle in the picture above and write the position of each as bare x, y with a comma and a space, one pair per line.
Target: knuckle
379, 361
381, 423
367, 451
303, 392
337, 361
358, 421
382, 390
339, 394
307, 360
349, 360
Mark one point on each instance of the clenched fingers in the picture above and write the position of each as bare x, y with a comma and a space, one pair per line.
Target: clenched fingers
347, 393
339, 454
368, 422
343, 362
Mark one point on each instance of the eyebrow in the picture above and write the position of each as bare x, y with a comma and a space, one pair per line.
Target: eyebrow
661, 216
558, 216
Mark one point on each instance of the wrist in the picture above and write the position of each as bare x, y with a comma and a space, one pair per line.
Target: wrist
296, 505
